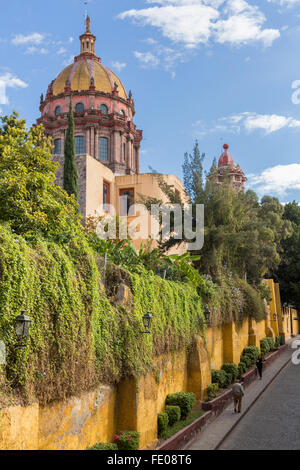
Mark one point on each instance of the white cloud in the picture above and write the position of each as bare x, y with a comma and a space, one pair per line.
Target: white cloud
285, 3
35, 38
249, 122
36, 50
195, 22
62, 51
147, 58
278, 179
8, 80
119, 66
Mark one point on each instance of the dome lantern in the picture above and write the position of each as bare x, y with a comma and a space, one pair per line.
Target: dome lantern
87, 39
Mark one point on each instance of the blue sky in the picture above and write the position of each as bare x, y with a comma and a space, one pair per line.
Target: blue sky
217, 70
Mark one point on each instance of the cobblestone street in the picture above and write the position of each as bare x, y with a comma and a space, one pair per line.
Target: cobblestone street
274, 420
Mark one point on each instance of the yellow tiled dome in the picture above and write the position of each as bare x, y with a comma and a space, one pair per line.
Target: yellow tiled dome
80, 74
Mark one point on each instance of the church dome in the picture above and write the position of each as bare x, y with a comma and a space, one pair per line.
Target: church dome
226, 158
87, 71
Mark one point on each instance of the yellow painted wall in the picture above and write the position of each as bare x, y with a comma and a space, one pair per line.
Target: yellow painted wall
97, 415
214, 340
19, 428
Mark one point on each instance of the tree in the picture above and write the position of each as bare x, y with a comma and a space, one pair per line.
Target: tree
193, 174
288, 273
70, 167
30, 202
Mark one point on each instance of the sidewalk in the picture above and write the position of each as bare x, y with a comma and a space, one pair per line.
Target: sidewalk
214, 434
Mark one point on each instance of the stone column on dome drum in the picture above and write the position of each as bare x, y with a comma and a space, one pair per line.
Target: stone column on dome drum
96, 144
92, 134
87, 141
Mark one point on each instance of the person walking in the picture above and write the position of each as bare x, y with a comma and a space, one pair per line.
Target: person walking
238, 393
259, 365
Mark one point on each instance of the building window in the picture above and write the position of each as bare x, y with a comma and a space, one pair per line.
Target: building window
103, 109
79, 108
126, 201
122, 112
57, 147
106, 193
103, 148
57, 110
79, 145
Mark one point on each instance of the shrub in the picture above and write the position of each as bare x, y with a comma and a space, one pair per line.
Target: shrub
174, 414
271, 343
242, 368
185, 401
247, 361
277, 341
211, 391
127, 440
103, 446
232, 370
162, 423
282, 342
264, 346
252, 352
220, 377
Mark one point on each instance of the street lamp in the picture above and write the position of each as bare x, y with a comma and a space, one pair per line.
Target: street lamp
147, 319
22, 326
207, 315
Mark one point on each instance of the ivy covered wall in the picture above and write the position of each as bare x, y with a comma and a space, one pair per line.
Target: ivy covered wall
80, 334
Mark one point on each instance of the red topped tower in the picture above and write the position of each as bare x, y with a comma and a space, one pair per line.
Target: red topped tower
227, 169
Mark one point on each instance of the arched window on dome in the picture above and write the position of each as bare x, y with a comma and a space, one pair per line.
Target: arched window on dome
79, 108
103, 109
57, 110
122, 112
79, 145
103, 148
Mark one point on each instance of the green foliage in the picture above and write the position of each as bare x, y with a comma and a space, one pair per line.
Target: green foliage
277, 341
185, 401
212, 391
247, 361
242, 368
70, 166
193, 174
103, 446
127, 440
171, 430
29, 200
252, 352
79, 336
231, 370
265, 346
271, 343
221, 378
288, 273
174, 414
162, 423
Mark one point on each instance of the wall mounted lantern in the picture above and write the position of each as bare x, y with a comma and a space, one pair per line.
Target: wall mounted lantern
147, 320
274, 316
207, 315
22, 327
